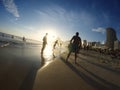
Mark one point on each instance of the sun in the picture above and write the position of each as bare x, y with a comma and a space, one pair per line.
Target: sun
52, 35
51, 38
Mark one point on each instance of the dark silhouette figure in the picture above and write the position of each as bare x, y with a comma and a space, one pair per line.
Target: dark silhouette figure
74, 46
44, 43
24, 40
56, 42
42, 60
12, 36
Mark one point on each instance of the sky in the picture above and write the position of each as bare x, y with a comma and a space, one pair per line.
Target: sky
60, 18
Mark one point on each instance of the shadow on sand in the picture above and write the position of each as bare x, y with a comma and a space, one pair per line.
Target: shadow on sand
90, 80
29, 80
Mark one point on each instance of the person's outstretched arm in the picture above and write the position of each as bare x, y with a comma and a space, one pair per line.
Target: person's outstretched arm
71, 39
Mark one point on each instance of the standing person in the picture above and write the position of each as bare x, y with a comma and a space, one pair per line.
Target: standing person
24, 41
75, 43
44, 43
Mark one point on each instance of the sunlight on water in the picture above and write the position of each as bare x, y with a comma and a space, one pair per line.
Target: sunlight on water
48, 52
47, 56
46, 64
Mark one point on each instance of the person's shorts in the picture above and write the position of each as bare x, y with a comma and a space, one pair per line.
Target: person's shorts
73, 47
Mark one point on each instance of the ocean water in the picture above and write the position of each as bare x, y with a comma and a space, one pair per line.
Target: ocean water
30, 49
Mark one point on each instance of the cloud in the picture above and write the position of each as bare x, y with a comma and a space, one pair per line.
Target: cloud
99, 29
52, 13
55, 15
11, 7
64, 18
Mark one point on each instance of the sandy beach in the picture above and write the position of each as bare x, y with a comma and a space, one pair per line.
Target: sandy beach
21, 69
58, 76
87, 75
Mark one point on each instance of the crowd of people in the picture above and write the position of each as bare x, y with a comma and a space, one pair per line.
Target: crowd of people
111, 53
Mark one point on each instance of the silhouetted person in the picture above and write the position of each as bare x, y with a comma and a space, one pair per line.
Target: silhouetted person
24, 40
42, 60
75, 43
61, 44
12, 36
56, 42
44, 43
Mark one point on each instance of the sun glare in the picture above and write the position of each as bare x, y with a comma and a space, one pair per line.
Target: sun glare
48, 51
52, 35
51, 38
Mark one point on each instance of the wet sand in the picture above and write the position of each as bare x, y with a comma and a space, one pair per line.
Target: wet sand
18, 67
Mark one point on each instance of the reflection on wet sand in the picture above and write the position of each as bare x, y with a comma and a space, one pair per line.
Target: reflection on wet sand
42, 59
45, 60
50, 54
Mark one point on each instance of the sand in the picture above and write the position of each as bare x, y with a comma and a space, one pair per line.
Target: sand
58, 76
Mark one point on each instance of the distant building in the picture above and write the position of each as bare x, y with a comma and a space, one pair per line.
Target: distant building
84, 44
93, 43
116, 44
110, 37
97, 44
90, 43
